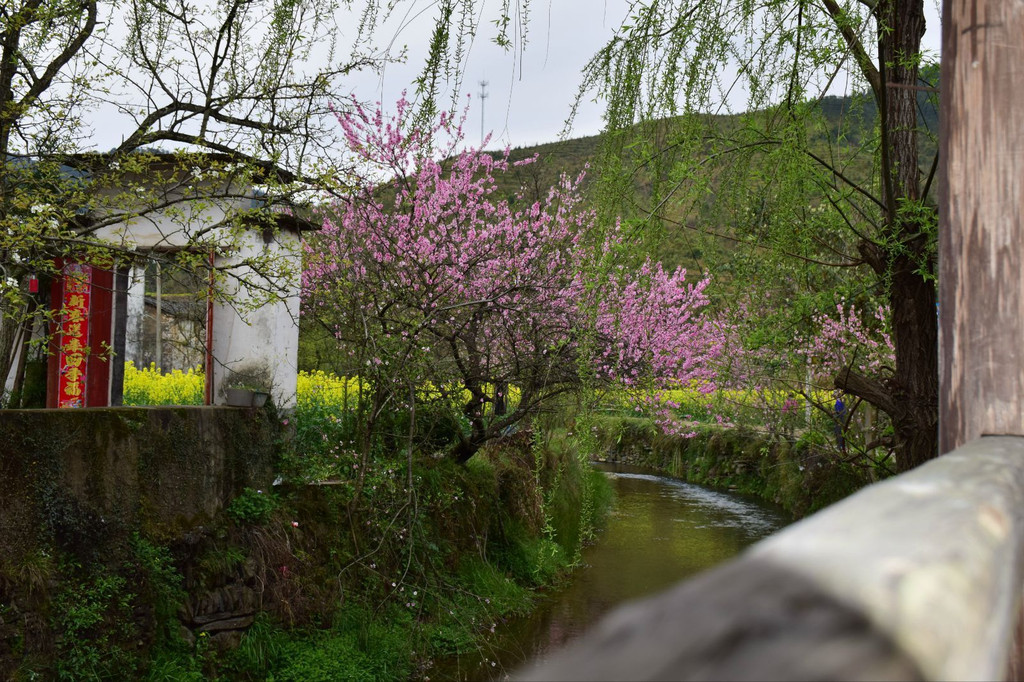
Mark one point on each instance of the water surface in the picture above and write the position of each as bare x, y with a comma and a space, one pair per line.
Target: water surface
661, 531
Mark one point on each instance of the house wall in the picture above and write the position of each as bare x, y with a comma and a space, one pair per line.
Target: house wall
265, 339
136, 315
248, 335
175, 227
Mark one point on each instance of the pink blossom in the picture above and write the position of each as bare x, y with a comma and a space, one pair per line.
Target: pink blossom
845, 339
436, 279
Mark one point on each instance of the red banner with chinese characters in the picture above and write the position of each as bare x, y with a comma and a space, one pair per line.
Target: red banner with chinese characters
74, 335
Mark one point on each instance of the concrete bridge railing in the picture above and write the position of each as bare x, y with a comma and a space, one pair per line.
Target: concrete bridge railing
917, 577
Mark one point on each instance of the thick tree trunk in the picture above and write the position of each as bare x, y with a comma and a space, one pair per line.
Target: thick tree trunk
915, 385
904, 256
10, 326
910, 261
900, 29
464, 451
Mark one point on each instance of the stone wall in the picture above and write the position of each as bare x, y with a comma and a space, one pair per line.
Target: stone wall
82, 481
799, 475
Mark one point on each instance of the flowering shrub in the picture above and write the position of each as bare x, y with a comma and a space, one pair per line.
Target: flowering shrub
435, 281
849, 339
150, 386
326, 428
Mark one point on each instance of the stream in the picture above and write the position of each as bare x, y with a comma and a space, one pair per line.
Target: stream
660, 531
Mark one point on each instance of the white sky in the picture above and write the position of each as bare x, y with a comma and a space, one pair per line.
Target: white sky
530, 91
531, 94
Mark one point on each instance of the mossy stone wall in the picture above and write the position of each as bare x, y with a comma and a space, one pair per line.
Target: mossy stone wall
83, 480
800, 475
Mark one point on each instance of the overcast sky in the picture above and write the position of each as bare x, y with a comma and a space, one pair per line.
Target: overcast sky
531, 88
530, 94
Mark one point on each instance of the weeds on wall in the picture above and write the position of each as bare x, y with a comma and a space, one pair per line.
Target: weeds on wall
253, 507
100, 621
367, 564
801, 475
93, 614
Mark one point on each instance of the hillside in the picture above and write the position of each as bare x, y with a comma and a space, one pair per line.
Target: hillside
842, 130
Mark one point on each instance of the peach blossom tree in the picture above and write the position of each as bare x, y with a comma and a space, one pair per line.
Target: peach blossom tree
436, 287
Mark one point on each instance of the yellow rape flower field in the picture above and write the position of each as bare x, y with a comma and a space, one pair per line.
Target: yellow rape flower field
148, 386
327, 388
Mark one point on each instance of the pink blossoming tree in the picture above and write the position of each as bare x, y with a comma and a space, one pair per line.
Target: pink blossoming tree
439, 288
850, 341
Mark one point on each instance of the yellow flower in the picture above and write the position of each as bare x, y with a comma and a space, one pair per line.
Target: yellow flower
149, 386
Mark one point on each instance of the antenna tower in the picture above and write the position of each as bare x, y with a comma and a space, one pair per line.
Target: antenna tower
483, 99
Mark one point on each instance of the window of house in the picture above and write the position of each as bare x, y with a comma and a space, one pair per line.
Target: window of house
168, 315
173, 323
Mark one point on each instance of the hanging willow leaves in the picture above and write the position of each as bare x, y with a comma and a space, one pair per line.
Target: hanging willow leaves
724, 114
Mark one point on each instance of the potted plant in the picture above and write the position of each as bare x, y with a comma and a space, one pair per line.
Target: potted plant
248, 386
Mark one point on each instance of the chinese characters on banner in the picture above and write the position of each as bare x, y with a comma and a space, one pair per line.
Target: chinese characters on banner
74, 335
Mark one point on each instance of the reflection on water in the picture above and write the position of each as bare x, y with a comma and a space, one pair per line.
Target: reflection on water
661, 530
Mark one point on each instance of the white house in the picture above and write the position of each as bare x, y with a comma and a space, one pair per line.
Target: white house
202, 275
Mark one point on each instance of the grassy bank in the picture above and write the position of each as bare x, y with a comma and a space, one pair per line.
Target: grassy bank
354, 568
798, 474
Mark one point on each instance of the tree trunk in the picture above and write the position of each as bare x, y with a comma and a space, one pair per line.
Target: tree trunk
915, 385
464, 451
904, 256
10, 326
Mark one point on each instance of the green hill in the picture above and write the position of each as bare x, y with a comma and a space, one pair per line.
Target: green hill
842, 130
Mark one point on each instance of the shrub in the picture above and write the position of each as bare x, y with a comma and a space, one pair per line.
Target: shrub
252, 507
